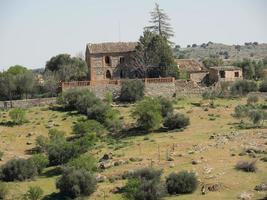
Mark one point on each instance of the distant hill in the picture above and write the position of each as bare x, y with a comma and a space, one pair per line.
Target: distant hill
229, 53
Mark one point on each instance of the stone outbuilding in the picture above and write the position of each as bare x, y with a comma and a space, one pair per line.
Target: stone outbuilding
192, 69
107, 61
225, 73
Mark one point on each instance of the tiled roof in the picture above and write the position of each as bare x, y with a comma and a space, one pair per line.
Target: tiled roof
111, 47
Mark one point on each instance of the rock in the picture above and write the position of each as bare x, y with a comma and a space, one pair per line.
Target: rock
214, 187
100, 178
119, 162
171, 165
116, 190
132, 159
261, 187
207, 170
105, 165
195, 162
169, 158
106, 157
29, 143
211, 137
29, 135
245, 196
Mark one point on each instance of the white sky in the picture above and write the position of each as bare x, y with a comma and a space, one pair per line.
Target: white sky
32, 31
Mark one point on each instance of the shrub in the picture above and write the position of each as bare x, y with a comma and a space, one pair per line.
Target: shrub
246, 166
181, 183
75, 183
85, 101
86, 162
263, 86
3, 190
89, 126
108, 98
242, 87
60, 153
176, 121
42, 143
98, 112
144, 184
166, 106
132, 90
148, 114
18, 169
34, 193
69, 98
40, 161
252, 99
18, 115
112, 121
241, 111
256, 116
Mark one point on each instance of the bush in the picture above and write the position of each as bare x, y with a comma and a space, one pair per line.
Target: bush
166, 106
112, 121
176, 121
40, 161
61, 152
256, 116
181, 183
75, 183
18, 115
132, 90
98, 112
89, 126
69, 98
86, 162
263, 86
246, 166
108, 98
144, 184
252, 99
3, 190
148, 114
34, 193
18, 169
85, 101
241, 111
243, 87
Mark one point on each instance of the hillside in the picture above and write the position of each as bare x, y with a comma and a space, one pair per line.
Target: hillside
227, 52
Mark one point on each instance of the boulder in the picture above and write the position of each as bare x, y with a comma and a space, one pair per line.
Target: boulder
261, 187
100, 178
245, 196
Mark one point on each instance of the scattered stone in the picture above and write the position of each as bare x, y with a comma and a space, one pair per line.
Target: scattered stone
195, 162
100, 178
170, 158
119, 162
116, 190
261, 187
171, 165
106, 157
132, 159
214, 187
211, 137
105, 165
245, 196
29, 135
207, 170
29, 143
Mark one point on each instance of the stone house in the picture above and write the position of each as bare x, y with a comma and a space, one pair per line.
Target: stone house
192, 69
107, 61
225, 73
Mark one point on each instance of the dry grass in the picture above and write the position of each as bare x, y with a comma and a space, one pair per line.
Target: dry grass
212, 153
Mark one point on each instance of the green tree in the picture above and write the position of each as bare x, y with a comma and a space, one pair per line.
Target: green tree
34, 193
132, 90
153, 57
148, 114
160, 23
68, 68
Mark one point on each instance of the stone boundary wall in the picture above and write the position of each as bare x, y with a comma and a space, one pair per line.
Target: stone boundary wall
26, 103
189, 88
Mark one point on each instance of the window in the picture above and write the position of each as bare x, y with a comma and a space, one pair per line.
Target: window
122, 60
107, 60
222, 74
108, 74
236, 74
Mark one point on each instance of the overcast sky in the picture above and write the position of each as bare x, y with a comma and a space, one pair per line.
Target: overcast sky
32, 31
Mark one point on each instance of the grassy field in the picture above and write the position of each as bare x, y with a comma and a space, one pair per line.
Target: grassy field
211, 138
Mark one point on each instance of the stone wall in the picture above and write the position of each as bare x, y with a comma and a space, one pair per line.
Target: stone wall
27, 103
188, 88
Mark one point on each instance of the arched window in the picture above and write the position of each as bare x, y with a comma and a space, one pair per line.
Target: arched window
107, 60
108, 74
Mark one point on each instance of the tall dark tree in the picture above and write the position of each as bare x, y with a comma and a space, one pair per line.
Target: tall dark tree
153, 57
160, 23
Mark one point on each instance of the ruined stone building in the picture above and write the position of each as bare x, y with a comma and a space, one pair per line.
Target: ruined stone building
107, 60
192, 69
225, 73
